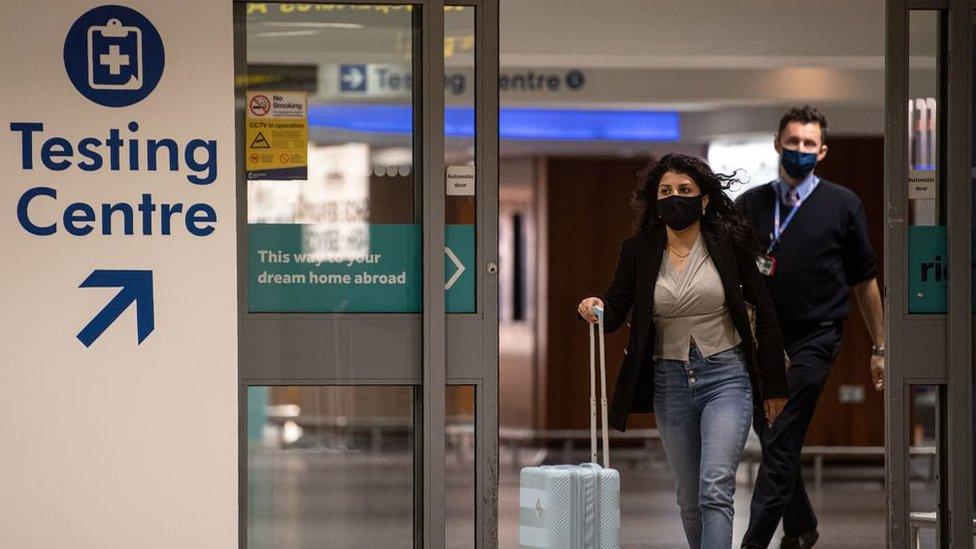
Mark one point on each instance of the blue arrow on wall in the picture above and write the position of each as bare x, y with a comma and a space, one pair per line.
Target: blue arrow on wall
137, 286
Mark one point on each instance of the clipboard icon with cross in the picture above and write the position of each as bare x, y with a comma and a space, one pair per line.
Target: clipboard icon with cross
114, 56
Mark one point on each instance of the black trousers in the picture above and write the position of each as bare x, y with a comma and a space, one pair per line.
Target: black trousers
779, 492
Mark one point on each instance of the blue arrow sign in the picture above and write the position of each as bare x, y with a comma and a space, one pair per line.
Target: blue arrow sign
352, 78
137, 286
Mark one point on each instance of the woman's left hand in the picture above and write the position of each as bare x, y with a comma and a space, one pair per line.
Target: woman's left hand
773, 408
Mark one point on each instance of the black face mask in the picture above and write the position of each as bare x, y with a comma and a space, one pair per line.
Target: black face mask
680, 212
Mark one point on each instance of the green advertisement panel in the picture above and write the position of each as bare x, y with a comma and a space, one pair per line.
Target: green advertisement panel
384, 276
927, 269
459, 271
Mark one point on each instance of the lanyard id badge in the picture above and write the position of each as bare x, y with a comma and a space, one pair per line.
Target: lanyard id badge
767, 262
766, 265
779, 229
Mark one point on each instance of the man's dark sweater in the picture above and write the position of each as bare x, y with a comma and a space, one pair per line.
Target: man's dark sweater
823, 252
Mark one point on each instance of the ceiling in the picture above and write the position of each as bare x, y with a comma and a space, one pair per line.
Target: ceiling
729, 67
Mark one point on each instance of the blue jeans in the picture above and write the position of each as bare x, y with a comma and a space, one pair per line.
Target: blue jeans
703, 409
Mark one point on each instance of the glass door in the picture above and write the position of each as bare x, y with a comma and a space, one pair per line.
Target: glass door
365, 287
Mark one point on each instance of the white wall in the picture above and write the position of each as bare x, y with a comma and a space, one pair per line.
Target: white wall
118, 445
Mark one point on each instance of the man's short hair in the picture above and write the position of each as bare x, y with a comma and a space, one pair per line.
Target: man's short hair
804, 115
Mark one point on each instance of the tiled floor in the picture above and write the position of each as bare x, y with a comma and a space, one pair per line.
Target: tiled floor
851, 512
312, 498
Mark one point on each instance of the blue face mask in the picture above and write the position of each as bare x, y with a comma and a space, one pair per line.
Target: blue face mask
798, 164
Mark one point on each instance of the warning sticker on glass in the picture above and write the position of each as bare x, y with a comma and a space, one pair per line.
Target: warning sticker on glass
276, 135
922, 184
460, 181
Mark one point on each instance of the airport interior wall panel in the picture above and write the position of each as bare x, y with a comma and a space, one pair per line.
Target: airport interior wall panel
858, 164
589, 215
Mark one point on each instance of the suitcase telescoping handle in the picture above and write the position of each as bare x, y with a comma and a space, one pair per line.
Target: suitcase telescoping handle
603, 390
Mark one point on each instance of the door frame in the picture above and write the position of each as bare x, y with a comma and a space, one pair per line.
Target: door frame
932, 349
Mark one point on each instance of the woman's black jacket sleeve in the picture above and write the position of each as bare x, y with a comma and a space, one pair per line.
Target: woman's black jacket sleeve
620, 295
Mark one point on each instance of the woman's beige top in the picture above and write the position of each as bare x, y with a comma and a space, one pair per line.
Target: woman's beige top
691, 305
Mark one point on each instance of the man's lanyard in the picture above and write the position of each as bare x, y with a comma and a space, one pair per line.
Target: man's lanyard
779, 229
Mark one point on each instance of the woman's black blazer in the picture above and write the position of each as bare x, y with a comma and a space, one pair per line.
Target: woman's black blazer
632, 292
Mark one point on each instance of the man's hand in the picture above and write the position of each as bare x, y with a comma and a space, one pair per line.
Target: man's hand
868, 296
877, 372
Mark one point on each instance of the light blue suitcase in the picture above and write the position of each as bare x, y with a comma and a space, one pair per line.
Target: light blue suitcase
574, 506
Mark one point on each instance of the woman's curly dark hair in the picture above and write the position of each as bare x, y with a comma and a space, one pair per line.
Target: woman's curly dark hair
720, 216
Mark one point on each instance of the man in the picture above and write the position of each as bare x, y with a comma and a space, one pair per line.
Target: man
817, 250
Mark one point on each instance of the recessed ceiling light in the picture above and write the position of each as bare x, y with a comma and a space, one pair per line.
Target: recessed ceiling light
279, 34
312, 25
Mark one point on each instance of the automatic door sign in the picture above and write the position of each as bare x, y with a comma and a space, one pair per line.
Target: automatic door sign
114, 56
277, 135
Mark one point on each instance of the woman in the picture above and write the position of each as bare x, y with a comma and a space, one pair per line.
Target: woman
687, 279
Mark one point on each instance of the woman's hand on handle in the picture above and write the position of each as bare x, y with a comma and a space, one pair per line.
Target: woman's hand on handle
773, 408
585, 308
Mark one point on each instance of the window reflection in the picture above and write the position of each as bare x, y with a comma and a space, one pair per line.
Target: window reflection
330, 467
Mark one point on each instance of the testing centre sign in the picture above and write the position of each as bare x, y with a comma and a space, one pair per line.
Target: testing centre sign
117, 214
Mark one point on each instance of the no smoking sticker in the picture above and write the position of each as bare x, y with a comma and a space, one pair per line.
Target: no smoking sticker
277, 135
259, 105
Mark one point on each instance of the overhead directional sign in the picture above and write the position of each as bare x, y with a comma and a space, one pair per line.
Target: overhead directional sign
137, 287
352, 78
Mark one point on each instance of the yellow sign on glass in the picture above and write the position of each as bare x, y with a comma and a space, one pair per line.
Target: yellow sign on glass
276, 136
